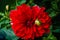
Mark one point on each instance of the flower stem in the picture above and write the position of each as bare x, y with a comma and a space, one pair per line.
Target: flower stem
16, 2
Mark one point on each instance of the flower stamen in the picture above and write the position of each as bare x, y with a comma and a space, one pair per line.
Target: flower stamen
37, 22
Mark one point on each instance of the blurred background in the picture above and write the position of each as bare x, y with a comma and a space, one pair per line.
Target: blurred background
52, 7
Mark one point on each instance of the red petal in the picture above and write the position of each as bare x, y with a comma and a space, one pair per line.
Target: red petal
37, 34
42, 20
42, 9
28, 31
36, 9
39, 28
32, 37
46, 26
41, 32
13, 14
34, 28
27, 36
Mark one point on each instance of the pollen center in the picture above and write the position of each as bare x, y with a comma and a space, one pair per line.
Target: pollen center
37, 22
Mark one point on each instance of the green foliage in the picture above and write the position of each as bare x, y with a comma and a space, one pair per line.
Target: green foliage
57, 30
19, 2
52, 14
50, 37
54, 5
9, 34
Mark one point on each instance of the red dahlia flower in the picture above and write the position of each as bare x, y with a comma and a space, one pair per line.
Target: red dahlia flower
30, 22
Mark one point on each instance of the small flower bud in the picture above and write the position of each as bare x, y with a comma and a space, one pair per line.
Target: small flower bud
7, 7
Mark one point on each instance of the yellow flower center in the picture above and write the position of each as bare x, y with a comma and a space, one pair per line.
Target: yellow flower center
37, 22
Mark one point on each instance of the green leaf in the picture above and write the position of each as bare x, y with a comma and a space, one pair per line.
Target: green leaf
54, 5
56, 31
4, 23
19, 2
50, 37
1, 14
52, 14
2, 35
9, 34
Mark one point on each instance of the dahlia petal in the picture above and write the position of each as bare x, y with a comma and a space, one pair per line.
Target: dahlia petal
25, 7
17, 27
28, 31
39, 28
26, 39
31, 31
32, 37
18, 7
44, 14
46, 26
13, 14
48, 21
47, 18
42, 20
37, 34
22, 19
41, 32
21, 6
15, 21
27, 36
20, 34
48, 31
29, 12
22, 29
35, 10
34, 28
42, 9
